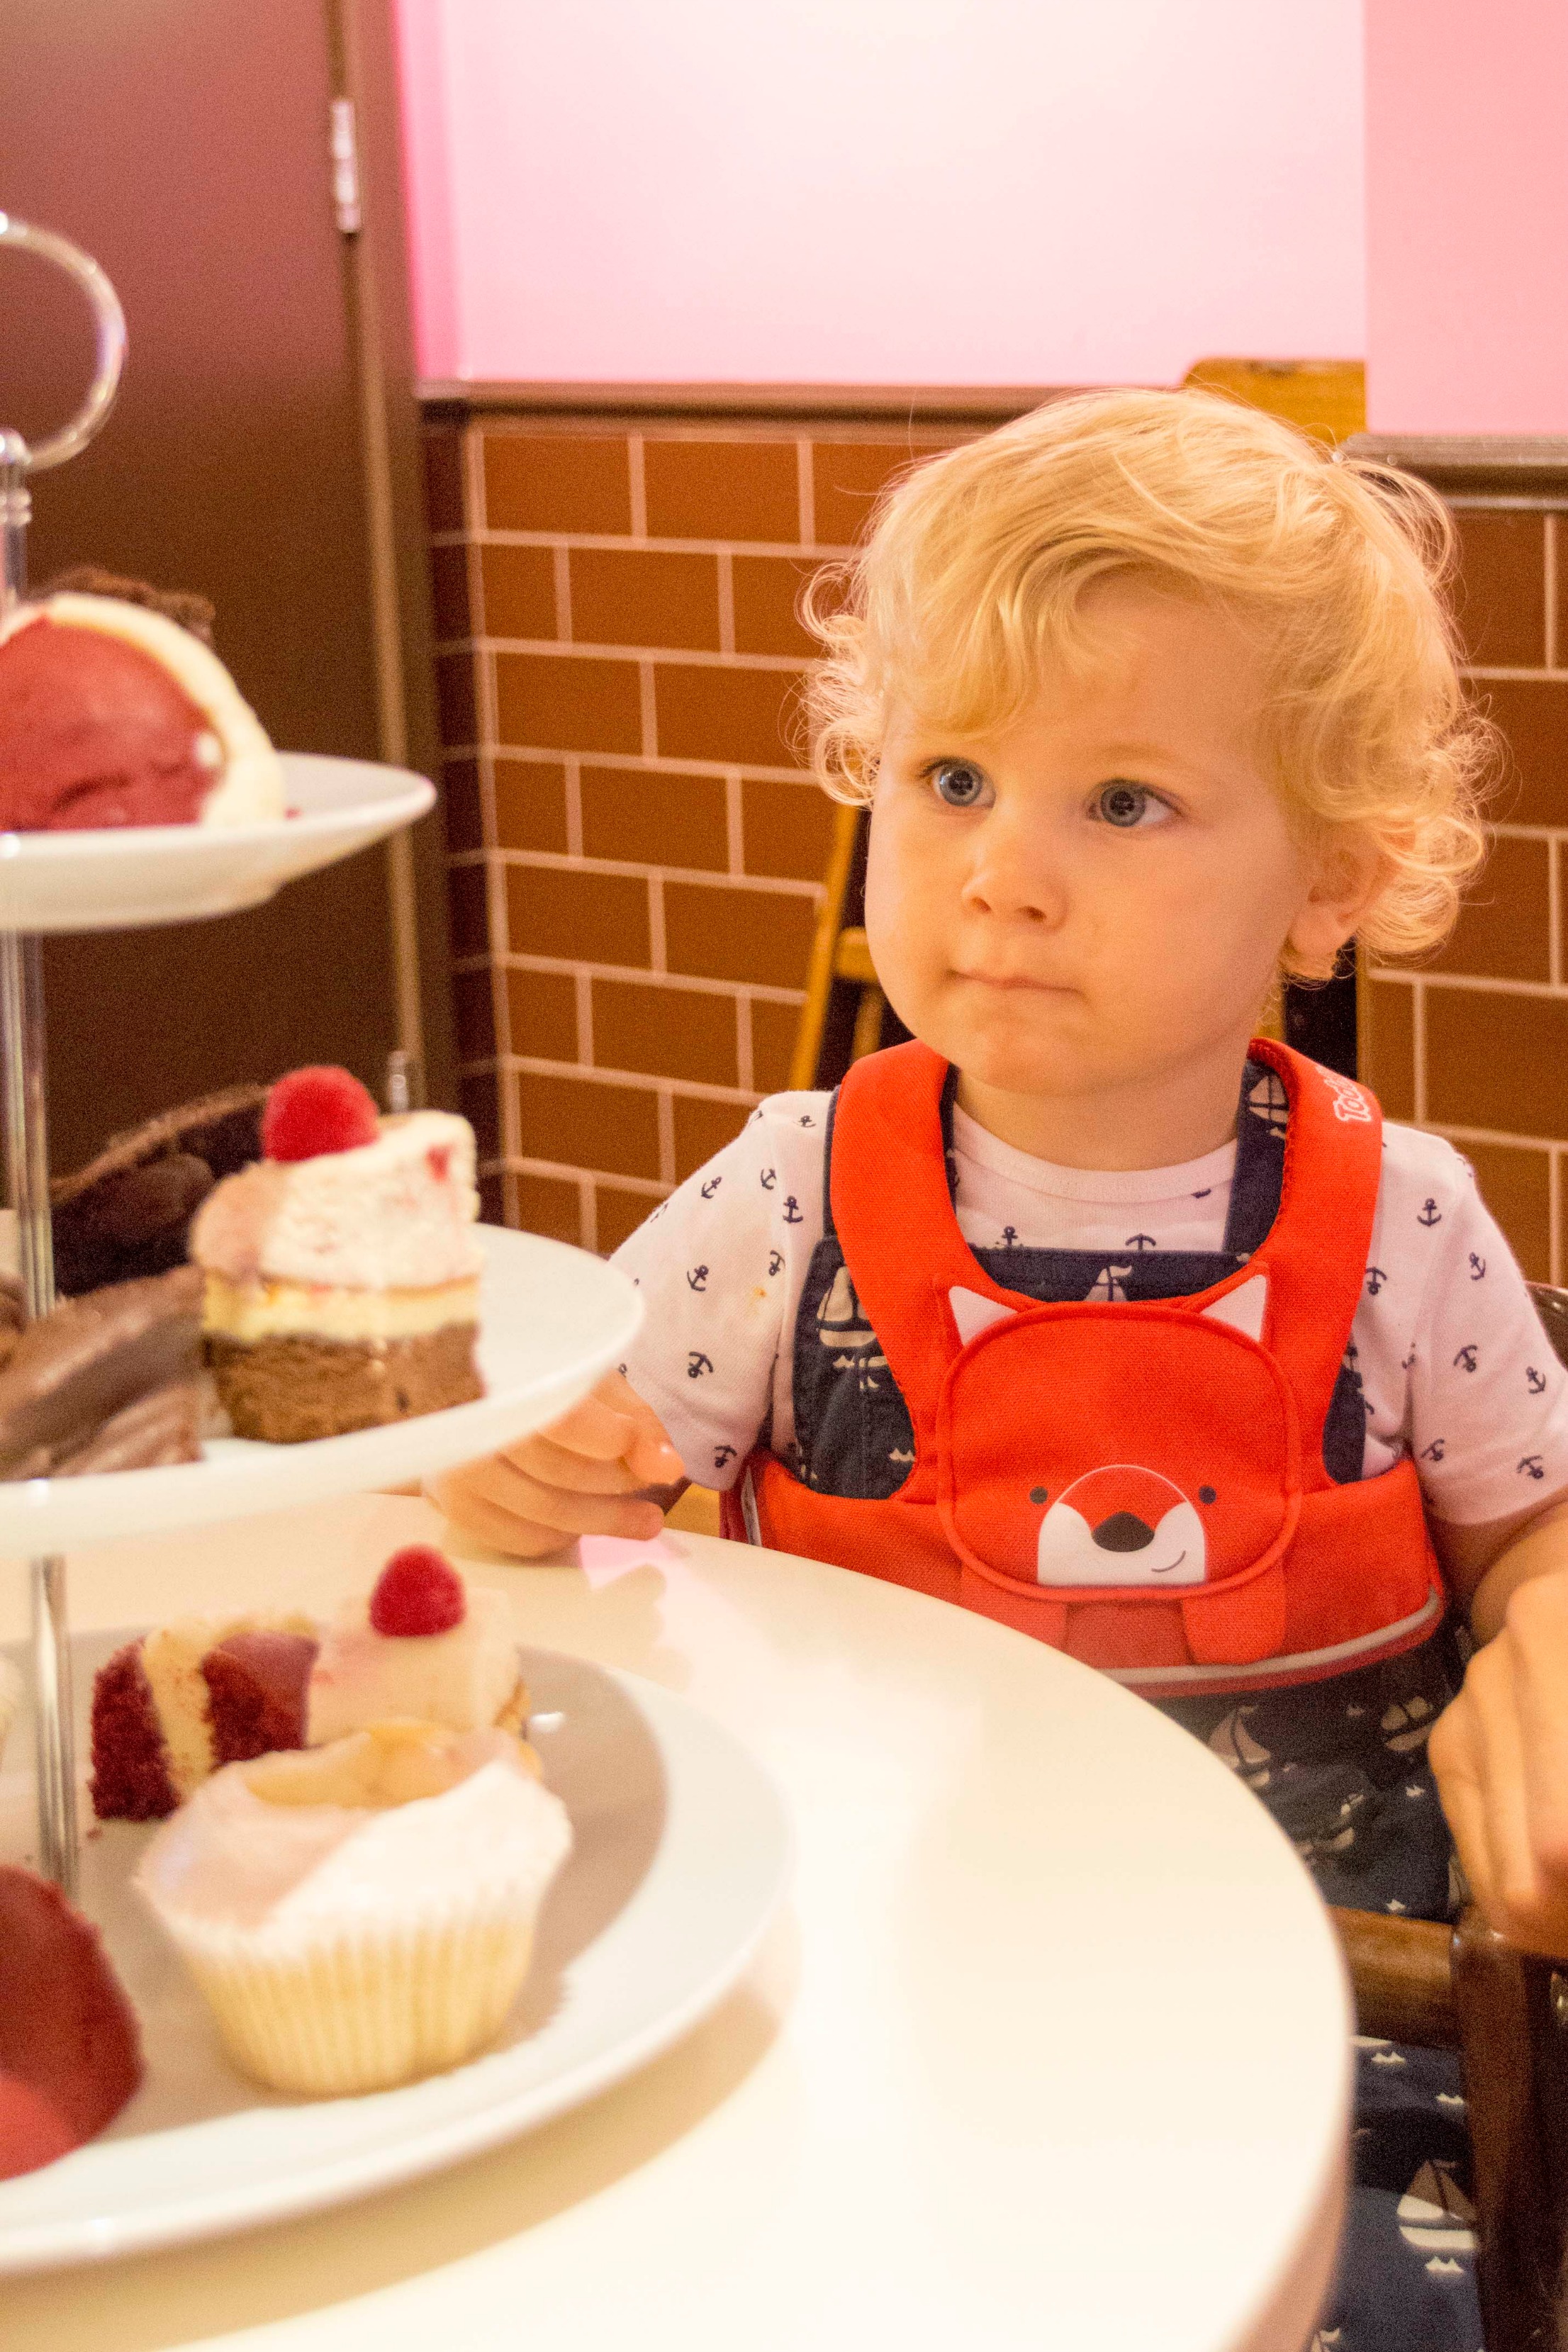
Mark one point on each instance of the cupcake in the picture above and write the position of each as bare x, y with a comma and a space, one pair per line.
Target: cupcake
361, 1914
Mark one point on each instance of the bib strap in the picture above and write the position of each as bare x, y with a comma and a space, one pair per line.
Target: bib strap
890, 1200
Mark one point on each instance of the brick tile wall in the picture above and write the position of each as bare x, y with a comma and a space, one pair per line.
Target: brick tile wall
1474, 1043
634, 847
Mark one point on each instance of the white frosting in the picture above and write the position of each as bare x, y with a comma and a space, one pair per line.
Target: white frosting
397, 1213
462, 1678
283, 1872
250, 789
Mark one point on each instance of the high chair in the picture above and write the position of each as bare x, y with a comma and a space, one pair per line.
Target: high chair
1414, 1980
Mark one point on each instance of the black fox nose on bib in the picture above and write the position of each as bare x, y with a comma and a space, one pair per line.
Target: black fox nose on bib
1123, 1531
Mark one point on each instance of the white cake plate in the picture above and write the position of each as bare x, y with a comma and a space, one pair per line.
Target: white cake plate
552, 1319
681, 1852
133, 877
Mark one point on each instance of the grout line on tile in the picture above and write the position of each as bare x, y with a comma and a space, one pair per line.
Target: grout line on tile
488, 834
647, 1082
524, 1166
743, 1057
806, 483
510, 1210
649, 710
584, 992
588, 1211
563, 594
681, 656
473, 475
655, 921
575, 810
726, 602
666, 1135
1549, 600
1554, 907
474, 579
640, 485
780, 885
735, 832
1418, 1050
510, 1116
500, 1009
678, 981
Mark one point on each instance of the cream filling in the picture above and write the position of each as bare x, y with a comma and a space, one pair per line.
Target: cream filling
273, 1310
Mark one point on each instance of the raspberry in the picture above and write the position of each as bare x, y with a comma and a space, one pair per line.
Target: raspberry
418, 1592
317, 1110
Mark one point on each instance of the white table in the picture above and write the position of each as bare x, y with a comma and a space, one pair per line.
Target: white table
1048, 2049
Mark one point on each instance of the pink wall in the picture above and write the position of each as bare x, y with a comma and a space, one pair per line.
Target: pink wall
882, 191
1467, 216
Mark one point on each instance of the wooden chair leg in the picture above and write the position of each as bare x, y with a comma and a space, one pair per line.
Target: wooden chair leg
1512, 2012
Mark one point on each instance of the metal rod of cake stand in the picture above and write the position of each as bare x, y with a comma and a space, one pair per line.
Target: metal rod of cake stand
22, 1042
28, 1168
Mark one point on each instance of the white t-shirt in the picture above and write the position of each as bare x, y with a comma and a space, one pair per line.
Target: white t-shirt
1455, 1366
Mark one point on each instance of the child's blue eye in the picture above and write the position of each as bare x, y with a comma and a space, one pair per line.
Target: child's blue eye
1124, 805
959, 784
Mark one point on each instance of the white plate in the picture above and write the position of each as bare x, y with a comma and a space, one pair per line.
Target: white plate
552, 1320
681, 1852
128, 876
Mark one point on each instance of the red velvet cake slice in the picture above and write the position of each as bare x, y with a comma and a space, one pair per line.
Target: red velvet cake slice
70, 2054
169, 1709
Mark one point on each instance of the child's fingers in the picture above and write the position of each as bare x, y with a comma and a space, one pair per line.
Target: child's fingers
556, 1465
487, 1524
502, 1483
593, 1429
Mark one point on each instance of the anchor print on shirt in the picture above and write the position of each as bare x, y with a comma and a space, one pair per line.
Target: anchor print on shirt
697, 1279
1536, 1381
1122, 1524
1429, 1213
1477, 1268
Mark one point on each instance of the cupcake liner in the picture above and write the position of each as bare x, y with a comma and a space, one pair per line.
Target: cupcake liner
347, 2008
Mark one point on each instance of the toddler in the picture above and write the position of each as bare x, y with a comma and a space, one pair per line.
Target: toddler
1089, 1310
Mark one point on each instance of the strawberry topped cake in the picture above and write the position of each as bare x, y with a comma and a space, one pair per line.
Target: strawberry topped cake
113, 714
174, 1707
342, 1268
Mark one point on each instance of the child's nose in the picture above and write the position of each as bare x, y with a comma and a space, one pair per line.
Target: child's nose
1009, 880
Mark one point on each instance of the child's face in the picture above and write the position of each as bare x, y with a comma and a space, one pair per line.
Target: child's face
1094, 901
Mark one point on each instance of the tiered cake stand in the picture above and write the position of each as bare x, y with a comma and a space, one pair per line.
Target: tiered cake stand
553, 1318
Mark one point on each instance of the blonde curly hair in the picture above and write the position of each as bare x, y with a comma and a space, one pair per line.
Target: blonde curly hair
974, 577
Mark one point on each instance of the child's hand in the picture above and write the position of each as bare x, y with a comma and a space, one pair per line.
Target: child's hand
583, 1476
1500, 1757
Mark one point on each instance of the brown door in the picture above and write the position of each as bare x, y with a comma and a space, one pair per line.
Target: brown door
184, 145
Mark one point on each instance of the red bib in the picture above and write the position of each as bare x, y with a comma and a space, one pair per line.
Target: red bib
1140, 1484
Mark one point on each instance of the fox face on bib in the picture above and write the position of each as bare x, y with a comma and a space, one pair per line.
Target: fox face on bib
1167, 1487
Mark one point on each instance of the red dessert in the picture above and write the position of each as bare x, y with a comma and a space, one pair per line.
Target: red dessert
93, 732
112, 714
418, 1592
254, 1687
70, 2055
316, 1110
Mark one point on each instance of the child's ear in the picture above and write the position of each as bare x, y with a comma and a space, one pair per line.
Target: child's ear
1351, 873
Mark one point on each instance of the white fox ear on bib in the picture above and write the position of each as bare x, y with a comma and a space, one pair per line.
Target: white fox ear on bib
973, 1314
1243, 1308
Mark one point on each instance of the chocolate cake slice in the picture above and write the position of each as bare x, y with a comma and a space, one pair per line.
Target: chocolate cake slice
111, 1382
126, 1214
